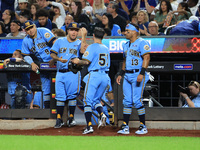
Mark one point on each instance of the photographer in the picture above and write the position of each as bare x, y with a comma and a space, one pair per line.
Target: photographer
194, 91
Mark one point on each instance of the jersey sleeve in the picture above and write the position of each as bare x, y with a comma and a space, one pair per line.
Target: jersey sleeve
25, 49
89, 54
144, 47
55, 47
124, 50
48, 36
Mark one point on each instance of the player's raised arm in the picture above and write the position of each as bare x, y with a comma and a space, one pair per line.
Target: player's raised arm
84, 45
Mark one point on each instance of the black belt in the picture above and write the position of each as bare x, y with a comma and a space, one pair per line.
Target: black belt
63, 70
132, 71
99, 70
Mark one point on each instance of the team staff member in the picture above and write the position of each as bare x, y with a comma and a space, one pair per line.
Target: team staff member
194, 99
97, 56
38, 42
136, 60
17, 77
67, 83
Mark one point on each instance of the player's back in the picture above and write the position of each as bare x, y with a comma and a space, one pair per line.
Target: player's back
99, 56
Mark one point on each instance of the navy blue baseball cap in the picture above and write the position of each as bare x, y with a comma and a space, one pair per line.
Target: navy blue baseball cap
73, 25
28, 24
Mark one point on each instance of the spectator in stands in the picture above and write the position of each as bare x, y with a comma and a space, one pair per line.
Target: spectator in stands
160, 17
15, 28
143, 20
24, 16
127, 6
133, 18
34, 8
43, 4
14, 78
108, 22
98, 10
43, 20
183, 11
193, 5
6, 5
107, 32
147, 5
173, 3
119, 20
153, 29
187, 27
7, 17
22, 4
58, 32
2, 29
194, 99
86, 9
60, 15
76, 8
68, 20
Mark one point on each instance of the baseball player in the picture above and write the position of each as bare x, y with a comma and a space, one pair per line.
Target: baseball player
14, 78
136, 60
67, 84
38, 42
97, 56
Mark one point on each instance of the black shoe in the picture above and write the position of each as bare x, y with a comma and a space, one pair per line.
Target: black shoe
59, 123
71, 122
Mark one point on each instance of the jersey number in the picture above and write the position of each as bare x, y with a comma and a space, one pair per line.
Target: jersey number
102, 59
134, 62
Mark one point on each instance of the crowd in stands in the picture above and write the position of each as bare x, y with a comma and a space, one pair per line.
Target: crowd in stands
112, 15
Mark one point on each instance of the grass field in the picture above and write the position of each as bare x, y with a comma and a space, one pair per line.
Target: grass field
21, 142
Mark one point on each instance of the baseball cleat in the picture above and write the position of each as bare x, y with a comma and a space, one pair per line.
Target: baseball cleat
88, 130
102, 121
124, 129
59, 123
71, 122
142, 130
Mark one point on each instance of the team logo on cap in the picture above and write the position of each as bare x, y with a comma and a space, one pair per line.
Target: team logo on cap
47, 35
27, 24
146, 47
86, 54
74, 25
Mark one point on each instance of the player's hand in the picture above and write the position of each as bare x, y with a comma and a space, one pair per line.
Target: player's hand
51, 63
75, 60
118, 80
34, 67
62, 60
6, 61
83, 31
139, 78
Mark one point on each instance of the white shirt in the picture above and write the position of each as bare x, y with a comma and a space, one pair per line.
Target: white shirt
61, 19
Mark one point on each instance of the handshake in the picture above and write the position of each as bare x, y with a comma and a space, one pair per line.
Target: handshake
183, 90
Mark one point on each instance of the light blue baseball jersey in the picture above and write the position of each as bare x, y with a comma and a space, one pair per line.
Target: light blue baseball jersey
134, 52
97, 80
67, 50
40, 46
132, 90
67, 83
99, 56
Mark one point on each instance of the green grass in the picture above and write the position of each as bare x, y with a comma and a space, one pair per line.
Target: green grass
21, 142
